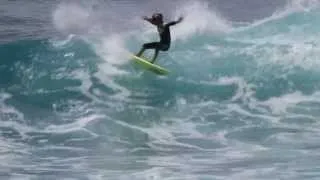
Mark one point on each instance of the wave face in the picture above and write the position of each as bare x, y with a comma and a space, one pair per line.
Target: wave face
242, 100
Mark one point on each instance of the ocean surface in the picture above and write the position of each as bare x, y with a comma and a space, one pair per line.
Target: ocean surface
241, 102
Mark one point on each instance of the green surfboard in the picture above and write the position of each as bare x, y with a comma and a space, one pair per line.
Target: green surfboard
144, 63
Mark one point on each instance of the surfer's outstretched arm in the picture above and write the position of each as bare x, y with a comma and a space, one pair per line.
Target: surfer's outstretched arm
175, 22
150, 20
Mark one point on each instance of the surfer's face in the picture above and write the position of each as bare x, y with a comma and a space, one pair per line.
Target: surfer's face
158, 22
157, 19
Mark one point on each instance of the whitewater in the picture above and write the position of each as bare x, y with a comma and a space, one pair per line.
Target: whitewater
242, 99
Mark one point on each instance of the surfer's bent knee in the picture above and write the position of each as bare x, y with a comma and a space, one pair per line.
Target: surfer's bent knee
164, 47
156, 45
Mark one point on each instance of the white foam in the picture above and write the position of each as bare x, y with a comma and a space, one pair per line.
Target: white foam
5, 109
71, 17
112, 50
295, 45
79, 124
301, 5
61, 43
199, 18
245, 91
280, 104
107, 42
16, 118
283, 50
298, 54
292, 6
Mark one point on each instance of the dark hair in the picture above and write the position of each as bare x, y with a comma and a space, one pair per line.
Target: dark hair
157, 16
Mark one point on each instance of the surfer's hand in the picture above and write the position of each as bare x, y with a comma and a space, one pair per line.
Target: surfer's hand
145, 18
180, 19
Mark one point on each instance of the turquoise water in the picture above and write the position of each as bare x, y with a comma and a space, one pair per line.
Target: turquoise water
241, 101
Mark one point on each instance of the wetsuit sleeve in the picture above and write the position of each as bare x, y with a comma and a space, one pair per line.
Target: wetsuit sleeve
149, 20
175, 22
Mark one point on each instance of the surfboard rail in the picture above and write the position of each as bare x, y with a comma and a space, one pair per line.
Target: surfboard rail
150, 66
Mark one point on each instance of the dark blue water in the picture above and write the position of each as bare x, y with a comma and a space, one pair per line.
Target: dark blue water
241, 101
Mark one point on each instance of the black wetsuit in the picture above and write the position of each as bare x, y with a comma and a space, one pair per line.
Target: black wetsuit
165, 38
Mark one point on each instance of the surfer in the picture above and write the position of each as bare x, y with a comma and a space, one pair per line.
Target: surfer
164, 33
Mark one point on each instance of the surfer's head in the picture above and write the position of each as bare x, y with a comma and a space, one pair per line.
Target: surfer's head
157, 18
